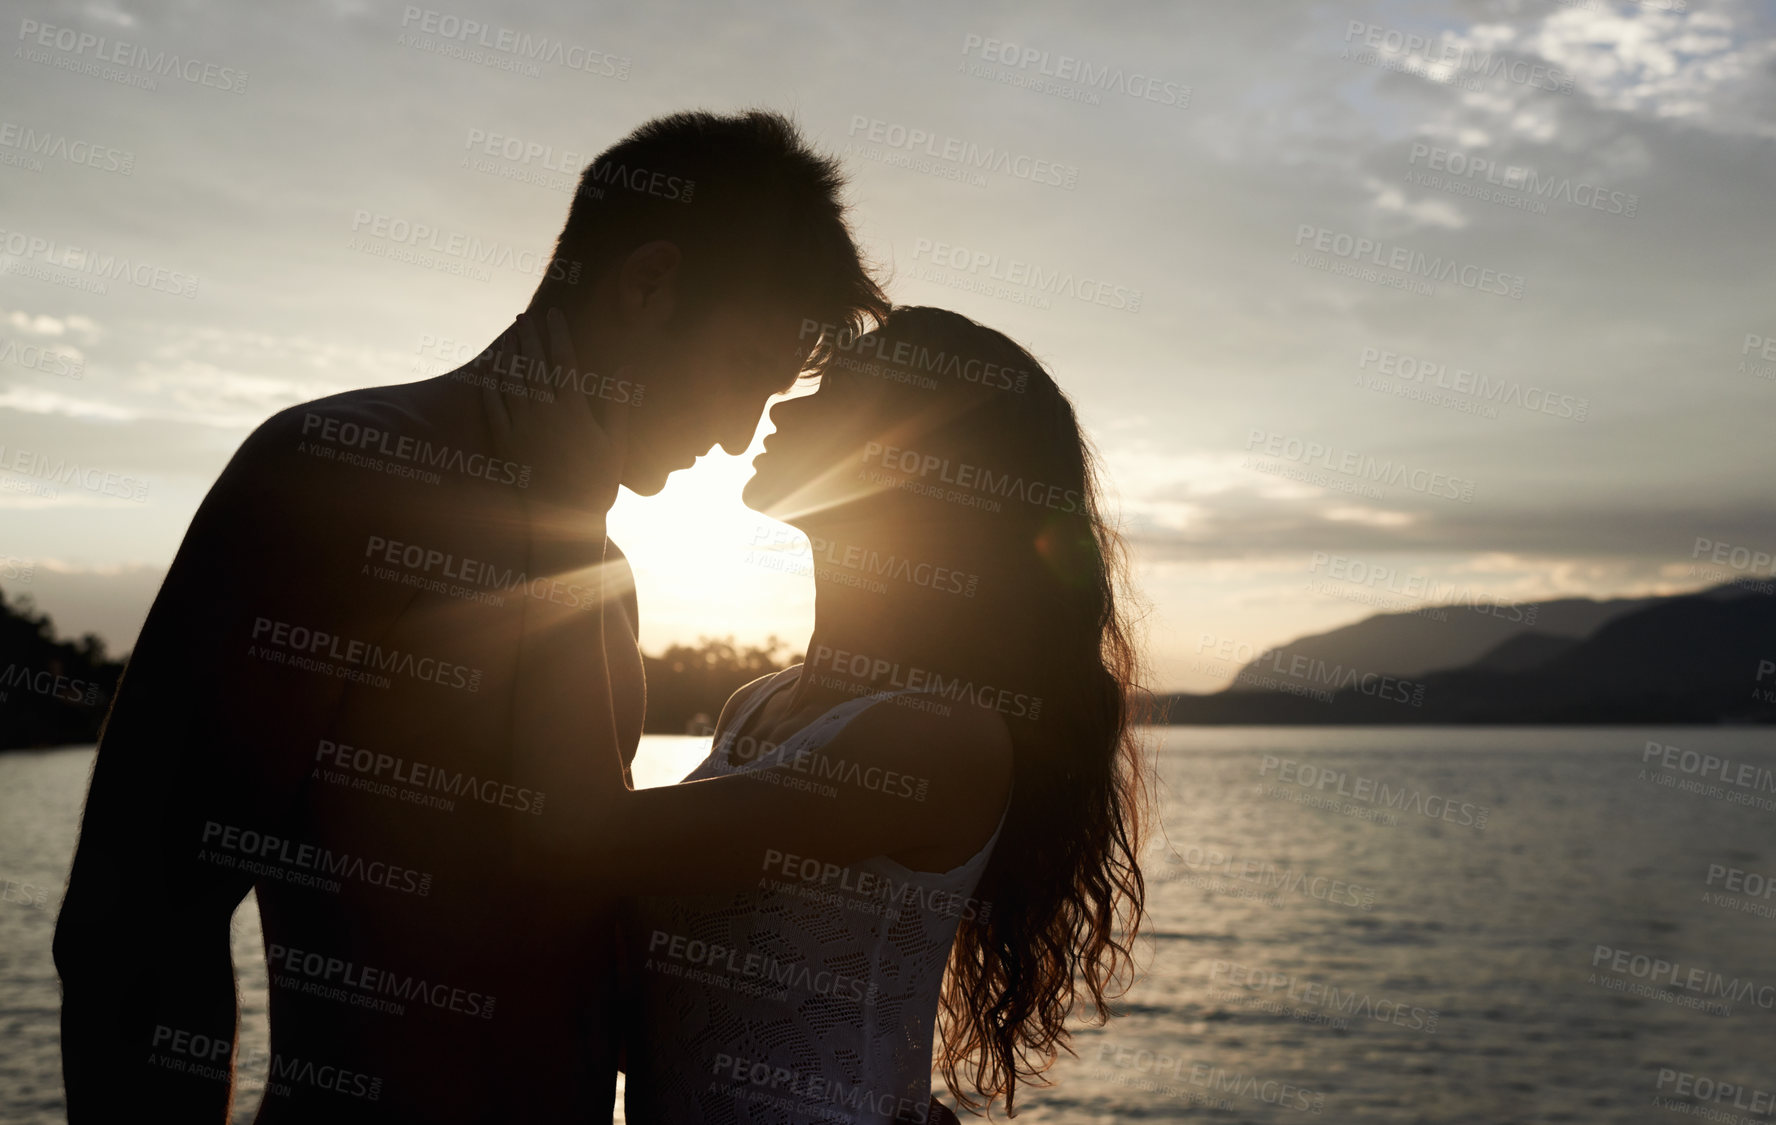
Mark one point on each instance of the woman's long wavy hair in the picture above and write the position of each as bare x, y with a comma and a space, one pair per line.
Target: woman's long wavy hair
1064, 888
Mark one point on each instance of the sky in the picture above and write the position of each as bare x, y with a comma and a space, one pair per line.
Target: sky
1366, 306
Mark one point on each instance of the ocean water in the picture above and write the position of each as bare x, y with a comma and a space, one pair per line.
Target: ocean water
1396, 925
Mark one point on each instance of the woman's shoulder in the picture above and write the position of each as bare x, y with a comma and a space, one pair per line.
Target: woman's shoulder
962, 743
737, 702
954, 758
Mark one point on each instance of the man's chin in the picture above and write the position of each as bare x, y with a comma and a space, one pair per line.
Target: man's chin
646, 483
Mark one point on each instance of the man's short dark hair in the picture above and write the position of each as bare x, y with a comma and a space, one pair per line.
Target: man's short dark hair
755, 210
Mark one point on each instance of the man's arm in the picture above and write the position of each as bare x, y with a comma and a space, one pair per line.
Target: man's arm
200, 734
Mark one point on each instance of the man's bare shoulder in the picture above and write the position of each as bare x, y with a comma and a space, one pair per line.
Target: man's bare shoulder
285, 439
315, 479
405, 446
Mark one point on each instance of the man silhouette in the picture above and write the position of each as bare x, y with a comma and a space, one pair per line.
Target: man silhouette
265, 736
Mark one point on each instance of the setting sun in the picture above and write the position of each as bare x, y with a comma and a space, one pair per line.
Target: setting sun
695, 544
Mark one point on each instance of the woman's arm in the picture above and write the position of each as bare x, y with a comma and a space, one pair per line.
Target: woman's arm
894, 779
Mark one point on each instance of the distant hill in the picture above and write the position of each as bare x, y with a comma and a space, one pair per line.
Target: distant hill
1449, 636
1699, 658
1524, 651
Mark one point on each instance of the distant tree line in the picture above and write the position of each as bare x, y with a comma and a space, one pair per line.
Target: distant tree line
56, 692
52, 692
686, 686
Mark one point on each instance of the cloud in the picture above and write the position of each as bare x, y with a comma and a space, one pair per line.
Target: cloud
1235, 526
43, 326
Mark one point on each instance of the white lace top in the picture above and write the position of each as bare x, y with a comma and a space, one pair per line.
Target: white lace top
811, 997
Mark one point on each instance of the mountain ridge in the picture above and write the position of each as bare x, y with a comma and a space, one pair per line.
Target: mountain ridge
1704, 657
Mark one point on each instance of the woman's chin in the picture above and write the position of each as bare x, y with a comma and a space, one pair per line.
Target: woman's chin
761, 495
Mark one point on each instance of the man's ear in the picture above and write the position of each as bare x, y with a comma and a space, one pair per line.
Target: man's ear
647, 284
